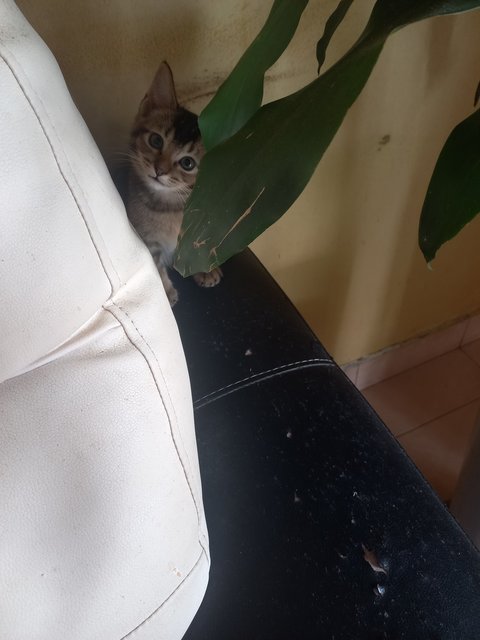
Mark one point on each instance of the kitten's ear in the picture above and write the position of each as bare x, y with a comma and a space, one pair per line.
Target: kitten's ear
162, 91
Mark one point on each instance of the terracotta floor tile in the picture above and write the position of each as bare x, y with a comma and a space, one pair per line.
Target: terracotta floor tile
429, 391
439, 447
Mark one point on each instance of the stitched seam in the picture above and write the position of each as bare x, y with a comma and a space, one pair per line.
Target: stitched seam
57, 161
154, 613
165, 409
172, 404
265, 374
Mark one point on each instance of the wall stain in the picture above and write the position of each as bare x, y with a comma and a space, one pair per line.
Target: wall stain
383, 141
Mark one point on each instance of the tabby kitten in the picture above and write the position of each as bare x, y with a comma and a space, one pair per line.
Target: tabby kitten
165, 151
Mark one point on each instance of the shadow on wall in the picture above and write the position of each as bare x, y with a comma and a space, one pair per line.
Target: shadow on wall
109, 54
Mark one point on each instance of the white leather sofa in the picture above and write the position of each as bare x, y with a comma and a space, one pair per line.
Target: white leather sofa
102, 530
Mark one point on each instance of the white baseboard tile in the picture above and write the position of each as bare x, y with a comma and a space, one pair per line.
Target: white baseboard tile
472, 332
394, 360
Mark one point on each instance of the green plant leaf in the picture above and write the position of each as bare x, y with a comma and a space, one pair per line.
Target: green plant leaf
248, 182
453, 196
390, 15
241, 94
330, 27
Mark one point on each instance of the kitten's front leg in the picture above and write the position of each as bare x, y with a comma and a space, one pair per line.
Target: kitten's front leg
209, 279
159, 259
170, 290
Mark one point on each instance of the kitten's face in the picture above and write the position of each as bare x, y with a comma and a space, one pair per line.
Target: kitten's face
165, 143
167, 149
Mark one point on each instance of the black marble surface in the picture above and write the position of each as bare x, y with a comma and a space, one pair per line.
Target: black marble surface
320, 525
243, 327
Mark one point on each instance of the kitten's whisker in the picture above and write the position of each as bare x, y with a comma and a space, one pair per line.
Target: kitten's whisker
122, 158
122, 162
130, 153
123, 153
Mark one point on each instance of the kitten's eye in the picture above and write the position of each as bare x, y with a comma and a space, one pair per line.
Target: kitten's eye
188, 163
155, 140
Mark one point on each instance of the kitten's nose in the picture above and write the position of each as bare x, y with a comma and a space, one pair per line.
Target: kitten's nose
161, 168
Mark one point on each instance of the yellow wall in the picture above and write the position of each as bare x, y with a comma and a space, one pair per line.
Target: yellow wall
346, 252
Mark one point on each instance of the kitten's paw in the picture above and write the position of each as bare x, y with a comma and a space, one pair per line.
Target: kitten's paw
208, 279
172, 296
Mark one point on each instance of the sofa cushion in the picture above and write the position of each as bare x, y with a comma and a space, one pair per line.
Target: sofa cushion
102, 533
